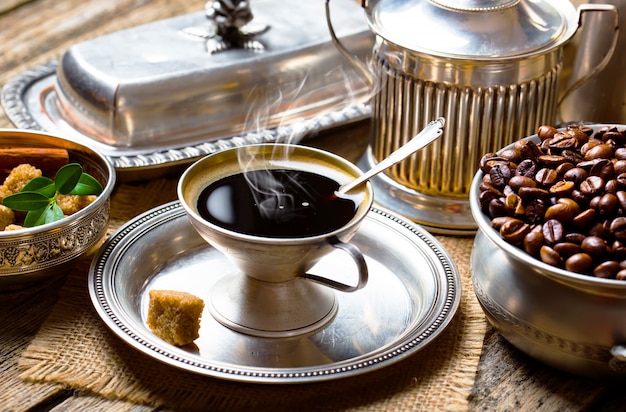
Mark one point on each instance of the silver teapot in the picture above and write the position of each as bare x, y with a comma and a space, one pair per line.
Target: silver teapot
490, 67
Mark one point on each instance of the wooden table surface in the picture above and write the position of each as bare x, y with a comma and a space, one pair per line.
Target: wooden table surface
38, 31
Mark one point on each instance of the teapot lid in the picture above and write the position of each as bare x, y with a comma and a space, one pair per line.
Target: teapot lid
476, 29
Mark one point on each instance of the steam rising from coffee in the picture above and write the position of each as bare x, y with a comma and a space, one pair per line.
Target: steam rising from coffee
273, 197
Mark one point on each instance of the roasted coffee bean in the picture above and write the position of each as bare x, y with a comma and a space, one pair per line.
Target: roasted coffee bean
562, 188
576, 175
500, 175
579, 263
607, 269
553, 231
562, 141
598, 229
546, 132
595, 246
564, 168
616, 136
550, 256
602, 130
621, 198
511, 155
594, 203
621, 180
582, 127
601, 151
561, 212
551, 161
584, 219
546, 177
527, 168
587, 164
485, 198
580, 198
620, 153
533, 241
526, 148
483, 161
514, 230
572, 157
488, 163
611, 143
579, 134
603, 168
497, 207
529, 193
571, 204
536, 210
574, 237
611, 186
618, 228
563, 200
567, 249
592, 186
618, 250
497, 222
591, 143
608, 204
485, 185
517, 182
619, 166
514, 206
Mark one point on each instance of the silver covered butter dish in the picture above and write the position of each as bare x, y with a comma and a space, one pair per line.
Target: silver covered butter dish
156, 94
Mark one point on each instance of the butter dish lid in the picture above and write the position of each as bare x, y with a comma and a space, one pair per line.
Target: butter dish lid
234, 67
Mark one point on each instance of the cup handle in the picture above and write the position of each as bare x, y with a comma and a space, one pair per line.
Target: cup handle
358, 258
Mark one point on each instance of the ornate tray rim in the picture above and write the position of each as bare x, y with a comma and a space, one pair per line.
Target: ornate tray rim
139, 160
421, 335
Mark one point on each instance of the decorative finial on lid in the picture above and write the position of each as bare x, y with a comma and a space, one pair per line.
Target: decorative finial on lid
230, 26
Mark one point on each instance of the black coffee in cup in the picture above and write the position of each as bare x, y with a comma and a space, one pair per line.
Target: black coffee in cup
278, 203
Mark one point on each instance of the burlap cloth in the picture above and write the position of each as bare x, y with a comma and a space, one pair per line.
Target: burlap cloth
74, 348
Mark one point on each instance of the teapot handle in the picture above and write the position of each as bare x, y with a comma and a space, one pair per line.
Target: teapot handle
584, 8
358, 64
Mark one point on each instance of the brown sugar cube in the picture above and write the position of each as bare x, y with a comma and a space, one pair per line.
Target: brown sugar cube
175, 316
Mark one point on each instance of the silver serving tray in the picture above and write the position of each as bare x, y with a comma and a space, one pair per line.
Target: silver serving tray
29, 102
413, 293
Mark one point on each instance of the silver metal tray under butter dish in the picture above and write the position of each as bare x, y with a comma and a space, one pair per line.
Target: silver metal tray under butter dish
412, 294
176, 89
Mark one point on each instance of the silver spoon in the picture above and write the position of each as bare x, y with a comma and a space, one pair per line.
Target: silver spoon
432, 131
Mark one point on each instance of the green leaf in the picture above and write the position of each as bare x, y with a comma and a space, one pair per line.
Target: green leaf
26, 201
34, 185
50, 213
33, 217
54, 213
67, 178
87, 185
38, 197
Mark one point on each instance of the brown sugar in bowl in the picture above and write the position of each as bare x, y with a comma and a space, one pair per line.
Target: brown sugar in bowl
30, 255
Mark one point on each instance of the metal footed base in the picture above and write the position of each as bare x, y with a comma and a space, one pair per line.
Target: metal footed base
272, 310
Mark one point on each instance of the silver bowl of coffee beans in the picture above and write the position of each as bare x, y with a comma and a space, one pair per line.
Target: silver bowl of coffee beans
549, 259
